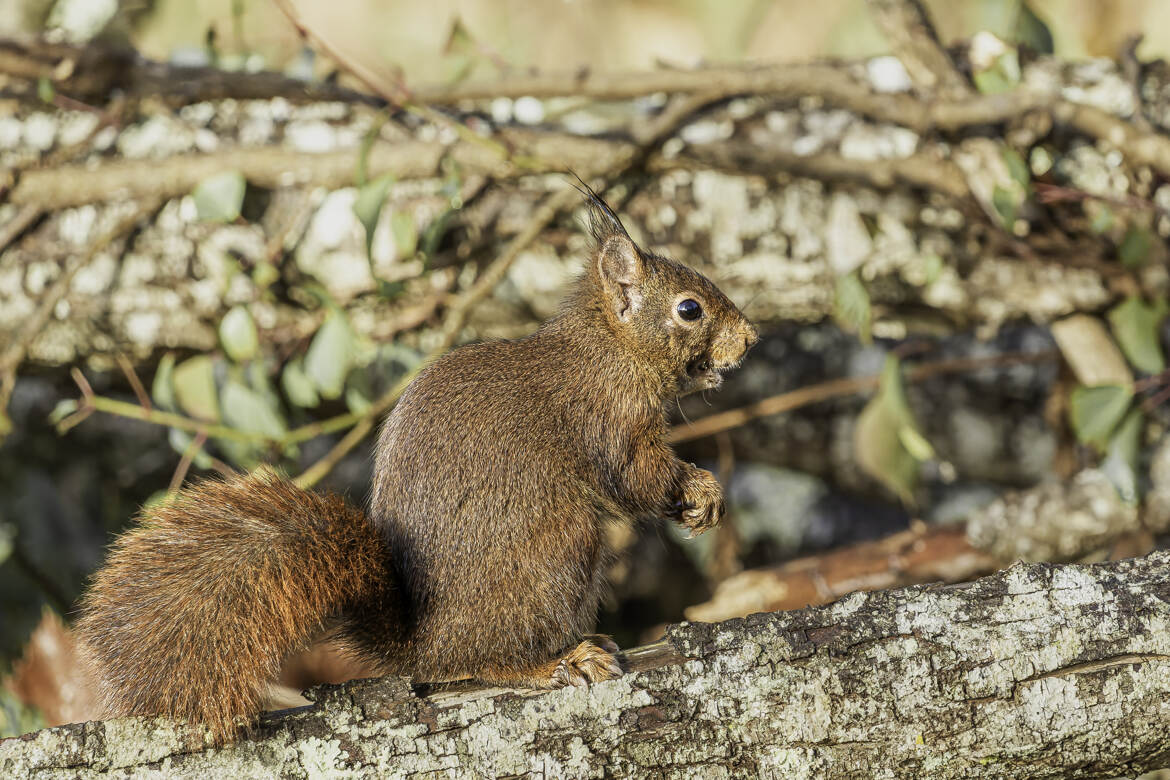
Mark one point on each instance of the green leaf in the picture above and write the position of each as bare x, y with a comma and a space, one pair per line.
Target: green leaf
156, 499
237, 333
256, 373
356, 399
1095, 412
16, 717
1135, 246
1002, 76
7, 534
1017, 168
264, 274
219, 198
460, 54
887, 441
433, 233
1032, 31
1102, 217
405, 233
934, 267
180, 441
162, 390
1006, 203
330, 355
247, 410
368, 206
1135, 326
915, 443
195, 388
63, 409
298, 388
46, 92
851, 307
1121, 457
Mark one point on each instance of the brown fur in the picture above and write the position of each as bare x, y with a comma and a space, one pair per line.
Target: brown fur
495, 476
197, 606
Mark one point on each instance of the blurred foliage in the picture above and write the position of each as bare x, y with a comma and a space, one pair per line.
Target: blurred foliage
889, 445
450, 40
15, 717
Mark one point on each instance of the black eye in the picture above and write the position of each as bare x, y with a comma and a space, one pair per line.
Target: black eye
689, 309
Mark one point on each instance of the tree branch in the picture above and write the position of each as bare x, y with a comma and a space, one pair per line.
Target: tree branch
1040, 671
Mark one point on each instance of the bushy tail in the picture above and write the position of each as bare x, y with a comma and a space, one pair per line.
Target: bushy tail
197, 606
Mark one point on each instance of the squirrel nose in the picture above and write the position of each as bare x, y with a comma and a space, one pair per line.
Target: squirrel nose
750, 337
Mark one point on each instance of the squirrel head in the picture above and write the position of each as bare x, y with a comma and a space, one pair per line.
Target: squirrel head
675, 321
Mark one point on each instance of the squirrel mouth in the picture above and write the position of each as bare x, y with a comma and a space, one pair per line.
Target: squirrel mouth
704, 374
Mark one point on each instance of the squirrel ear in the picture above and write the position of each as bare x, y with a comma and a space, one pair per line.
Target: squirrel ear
620, 268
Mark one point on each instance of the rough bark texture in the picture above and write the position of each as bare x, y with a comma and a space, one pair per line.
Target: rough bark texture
1038, 671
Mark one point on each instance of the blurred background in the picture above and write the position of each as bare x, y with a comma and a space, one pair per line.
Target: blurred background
410, 36
965, 325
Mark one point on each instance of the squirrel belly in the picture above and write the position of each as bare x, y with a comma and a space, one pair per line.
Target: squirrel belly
199, 604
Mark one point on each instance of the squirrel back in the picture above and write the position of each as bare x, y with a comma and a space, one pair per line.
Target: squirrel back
485, 551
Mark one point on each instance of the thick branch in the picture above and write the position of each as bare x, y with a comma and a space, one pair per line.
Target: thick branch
1038, 671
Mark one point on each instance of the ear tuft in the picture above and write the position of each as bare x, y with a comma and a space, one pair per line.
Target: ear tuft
603, 222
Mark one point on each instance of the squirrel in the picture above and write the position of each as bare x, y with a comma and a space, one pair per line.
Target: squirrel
484, 551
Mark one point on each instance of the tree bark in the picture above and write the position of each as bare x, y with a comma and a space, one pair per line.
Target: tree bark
1038, 671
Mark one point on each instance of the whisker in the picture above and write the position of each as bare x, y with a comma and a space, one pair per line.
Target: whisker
754, 298
678, 403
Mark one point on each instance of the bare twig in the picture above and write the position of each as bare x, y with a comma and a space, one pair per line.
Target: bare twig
838, 388
907, 26
926, 170
1157, 399
91, 402
96, 70
917, 555
393, 92
135, 383
185, 462
20, 222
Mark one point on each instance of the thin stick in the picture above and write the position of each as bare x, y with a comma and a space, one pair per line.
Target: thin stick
838, 388
185, 462
135, 383
1156, 400
95, 403
13, 228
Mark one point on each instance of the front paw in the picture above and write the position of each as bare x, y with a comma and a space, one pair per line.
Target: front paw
700, 503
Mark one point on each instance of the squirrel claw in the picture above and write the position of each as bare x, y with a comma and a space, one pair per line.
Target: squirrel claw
700, 506
587, 663
604, 641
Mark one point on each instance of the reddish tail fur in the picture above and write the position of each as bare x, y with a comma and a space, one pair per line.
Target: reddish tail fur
197, 606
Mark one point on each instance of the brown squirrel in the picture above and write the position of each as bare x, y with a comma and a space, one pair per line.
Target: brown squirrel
484, 553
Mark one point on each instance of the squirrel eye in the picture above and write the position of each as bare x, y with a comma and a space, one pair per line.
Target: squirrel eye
689, 309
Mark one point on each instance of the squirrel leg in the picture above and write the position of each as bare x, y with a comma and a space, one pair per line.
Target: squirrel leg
590, 661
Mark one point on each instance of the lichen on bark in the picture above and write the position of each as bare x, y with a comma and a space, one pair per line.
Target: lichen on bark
1038, 671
